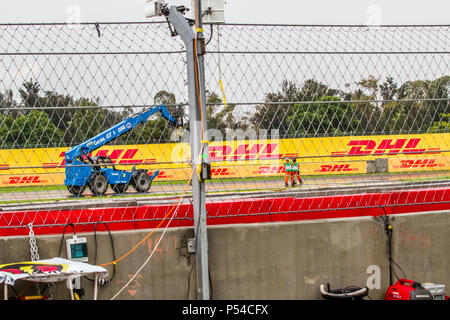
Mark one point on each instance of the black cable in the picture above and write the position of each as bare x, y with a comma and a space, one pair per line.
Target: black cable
392, 261
211, 289
346, 292
400, 268
210, 36
62, 238
97, 27
189, 278
172, 32
192, 267
103, 282
389, 249
350, 289
389, 231
210, 284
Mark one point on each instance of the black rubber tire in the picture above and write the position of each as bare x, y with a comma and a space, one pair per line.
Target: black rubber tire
120, 187
142, 182
76, 190
98, 184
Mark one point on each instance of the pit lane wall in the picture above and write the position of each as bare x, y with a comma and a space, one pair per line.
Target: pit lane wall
276, 260
242, 158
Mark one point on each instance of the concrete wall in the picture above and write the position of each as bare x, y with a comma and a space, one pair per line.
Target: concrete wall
263, 261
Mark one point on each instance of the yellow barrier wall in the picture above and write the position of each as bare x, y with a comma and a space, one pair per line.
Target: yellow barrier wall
253, 158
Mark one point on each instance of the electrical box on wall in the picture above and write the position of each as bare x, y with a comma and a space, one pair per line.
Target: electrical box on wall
217, 12
77, 249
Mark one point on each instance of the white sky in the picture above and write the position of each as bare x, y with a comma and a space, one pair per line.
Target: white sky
239, 11
125, 91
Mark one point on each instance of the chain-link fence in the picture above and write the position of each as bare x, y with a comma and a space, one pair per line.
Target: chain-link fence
363, 110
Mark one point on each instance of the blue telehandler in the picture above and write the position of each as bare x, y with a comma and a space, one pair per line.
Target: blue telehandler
83, 170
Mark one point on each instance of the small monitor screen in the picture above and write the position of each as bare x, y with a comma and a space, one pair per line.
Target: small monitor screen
78, 250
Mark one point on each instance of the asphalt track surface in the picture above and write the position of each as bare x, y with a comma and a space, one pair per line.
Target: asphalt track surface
227, 189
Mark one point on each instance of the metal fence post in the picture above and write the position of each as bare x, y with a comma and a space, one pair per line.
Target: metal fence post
198, 136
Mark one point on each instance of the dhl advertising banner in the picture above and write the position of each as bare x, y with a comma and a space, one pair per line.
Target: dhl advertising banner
239, 159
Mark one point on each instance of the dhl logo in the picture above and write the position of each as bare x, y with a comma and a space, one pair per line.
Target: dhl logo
421, 163
24, 180
385, 147
118, 156
258, 151
220, 172
270, 170
336, 168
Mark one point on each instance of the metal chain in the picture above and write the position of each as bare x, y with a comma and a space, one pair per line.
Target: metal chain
33, 246
35, 257
51, 291
34, 252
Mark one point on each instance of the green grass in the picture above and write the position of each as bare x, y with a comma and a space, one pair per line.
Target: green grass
31, 189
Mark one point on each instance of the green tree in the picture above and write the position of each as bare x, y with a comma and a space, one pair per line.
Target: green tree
388, 89
60, 109
439, 90
88, 122
422, 103
8, 105
165, 97
441, 126
365, 110
220, 117
322, 118
273, 113
281, 116
311, 90
33, 130
30, 94
156, 129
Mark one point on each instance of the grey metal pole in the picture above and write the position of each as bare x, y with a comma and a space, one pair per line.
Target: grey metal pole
198, 137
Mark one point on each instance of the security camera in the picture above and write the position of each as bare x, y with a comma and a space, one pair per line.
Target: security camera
155, 8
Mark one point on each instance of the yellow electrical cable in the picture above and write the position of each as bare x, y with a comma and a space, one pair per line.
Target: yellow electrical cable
223, 93
218, 65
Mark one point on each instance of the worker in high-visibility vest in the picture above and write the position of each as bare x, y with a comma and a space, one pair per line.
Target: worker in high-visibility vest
287, 168
295, 172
